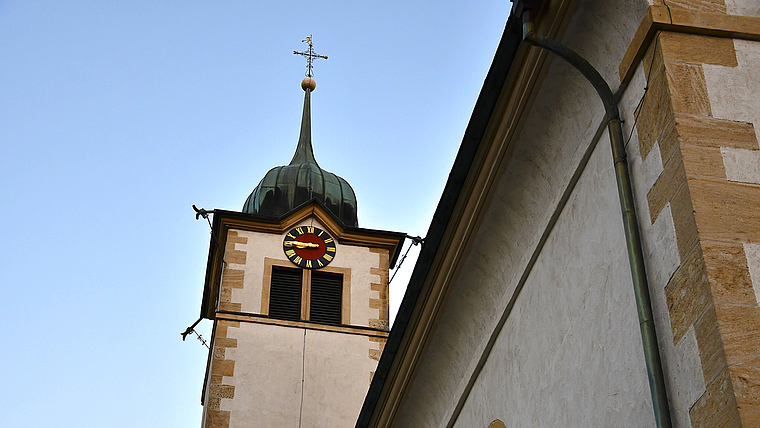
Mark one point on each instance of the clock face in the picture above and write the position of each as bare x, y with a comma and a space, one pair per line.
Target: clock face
309, 247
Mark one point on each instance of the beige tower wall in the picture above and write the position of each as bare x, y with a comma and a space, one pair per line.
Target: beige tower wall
277, 368
268, 372
250, 250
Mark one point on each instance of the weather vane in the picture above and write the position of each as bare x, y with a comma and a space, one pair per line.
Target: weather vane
310, 56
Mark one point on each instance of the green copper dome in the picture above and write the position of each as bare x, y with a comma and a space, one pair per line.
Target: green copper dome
285, 188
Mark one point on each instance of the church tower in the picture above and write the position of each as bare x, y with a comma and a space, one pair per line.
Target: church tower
298, 293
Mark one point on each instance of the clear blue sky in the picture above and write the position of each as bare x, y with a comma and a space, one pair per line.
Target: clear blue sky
115, 117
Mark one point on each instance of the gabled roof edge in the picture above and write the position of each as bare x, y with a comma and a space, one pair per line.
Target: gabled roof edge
479, 120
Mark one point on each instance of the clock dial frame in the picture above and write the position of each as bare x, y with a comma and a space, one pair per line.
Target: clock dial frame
309, 247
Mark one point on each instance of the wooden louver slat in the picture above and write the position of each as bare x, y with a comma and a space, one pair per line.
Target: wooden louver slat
285, 294
326, 297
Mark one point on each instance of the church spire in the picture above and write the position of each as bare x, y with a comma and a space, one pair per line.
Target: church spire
286, 188
304, 151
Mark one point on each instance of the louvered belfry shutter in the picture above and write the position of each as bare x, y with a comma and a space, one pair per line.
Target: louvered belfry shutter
285, 294
326, 295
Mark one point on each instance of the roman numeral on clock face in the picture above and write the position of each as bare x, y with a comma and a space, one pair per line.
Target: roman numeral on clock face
309, 247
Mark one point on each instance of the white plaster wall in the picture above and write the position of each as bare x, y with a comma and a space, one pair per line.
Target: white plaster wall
540, 167
570, 354
742, 166
733, 91
258, 247
337, 371
270, 363
752, 251
361, 279
743, 7
266, 245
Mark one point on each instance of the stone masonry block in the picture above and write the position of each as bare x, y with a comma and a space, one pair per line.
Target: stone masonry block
703, 162
235, 256
688, 90
375, 354
740, 331
746, 386
236, 239
717, 6
228, 323
382, 290
380, 340
697, 49
383, 273
683, 220
749, 414
687, 293
223, 368
217, 419
712, 132
728, 273
672, 177
222, 391
711, 354
656, 110
232, 307
384, 257
225, 295
233, 278
668, 141
381, 304
214, 403
224, 342
747, 390
717, 406
219, 353
726, 211
221, 331
381, 324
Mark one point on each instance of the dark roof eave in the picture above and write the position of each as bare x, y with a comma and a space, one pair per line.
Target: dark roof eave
481, 115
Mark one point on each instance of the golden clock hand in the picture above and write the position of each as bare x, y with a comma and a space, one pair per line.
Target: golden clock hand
300, 245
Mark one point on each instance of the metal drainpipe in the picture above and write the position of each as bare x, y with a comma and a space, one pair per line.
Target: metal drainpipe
632, 236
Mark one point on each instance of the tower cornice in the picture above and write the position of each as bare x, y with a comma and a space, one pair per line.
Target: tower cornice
226, 220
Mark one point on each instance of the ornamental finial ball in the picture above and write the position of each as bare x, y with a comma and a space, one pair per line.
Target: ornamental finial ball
308, 83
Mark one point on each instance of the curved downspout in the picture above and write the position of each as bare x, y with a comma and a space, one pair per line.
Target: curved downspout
630, 224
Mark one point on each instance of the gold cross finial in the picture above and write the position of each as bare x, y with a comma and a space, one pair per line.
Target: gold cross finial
310, 57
